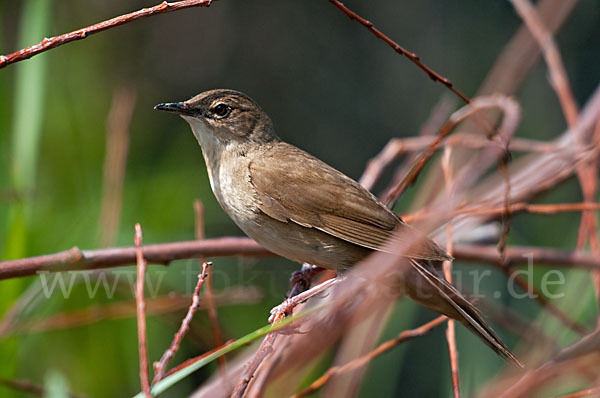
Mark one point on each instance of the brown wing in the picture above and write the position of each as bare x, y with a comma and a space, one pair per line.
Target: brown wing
302, 189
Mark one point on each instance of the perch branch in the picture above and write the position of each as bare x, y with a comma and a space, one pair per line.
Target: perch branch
164, 253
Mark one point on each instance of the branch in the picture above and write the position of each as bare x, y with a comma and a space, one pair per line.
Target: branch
366, 359
447, 267
278, 314
523, 254
433, 75
141, 312
558, 75
50, 43
161, 366
520, 207
164, 253
510, 110
208, 291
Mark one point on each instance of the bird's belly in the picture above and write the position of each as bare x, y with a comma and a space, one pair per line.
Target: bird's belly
301, 244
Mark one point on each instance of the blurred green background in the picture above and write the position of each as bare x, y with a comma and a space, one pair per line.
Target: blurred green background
330, 87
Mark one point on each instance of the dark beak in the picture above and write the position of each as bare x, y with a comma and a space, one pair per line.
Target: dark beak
175, 107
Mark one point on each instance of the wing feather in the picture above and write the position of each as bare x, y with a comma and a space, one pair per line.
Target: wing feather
304, 190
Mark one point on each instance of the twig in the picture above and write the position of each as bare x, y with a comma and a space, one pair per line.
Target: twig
125, 309
589, 392
398, 146
546, 304
266, 347
365, 359
558, 76
284, 309
49, 43
23, 385
520, 207
141, 312
208, 291
28, 386
470, 110
412, 57
447, 265
161, 365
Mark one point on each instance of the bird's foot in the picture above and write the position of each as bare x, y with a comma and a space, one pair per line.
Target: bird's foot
284, 309
301, 280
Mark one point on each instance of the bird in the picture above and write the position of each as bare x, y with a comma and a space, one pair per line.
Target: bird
300, 208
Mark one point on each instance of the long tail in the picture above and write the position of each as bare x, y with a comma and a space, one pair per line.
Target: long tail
450, 302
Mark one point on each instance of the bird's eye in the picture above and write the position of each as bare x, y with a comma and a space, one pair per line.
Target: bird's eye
221, 110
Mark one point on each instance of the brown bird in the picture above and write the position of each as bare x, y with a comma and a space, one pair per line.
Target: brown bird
300, 208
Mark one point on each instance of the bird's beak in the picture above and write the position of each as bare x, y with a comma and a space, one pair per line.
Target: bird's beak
175, 107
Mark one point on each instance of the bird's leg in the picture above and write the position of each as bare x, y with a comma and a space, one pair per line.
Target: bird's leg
301, 280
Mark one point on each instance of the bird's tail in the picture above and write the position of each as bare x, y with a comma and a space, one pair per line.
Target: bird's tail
435, 293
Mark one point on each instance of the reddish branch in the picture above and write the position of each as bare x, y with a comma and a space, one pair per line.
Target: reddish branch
166, 304
558, 75
515, 255
266, 347
436, 77
161, 366
509, 124
28, 387
49, 43
514, 208
399, 146
161, 253
447, 266
164, 253
141, 312
366, 359
208, 291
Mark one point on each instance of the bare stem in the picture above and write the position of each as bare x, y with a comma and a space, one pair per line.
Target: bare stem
141, 312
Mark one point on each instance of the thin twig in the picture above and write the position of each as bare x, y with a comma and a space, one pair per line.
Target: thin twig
470, 110
436, 77
266, 347
399, 146
125, 309
29, 387
49, 43
546, 303
589, 392
521, 207
141, 312
558, 76
284, 309
366, 359
208, 290
161, 366
264, 350
447, 265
